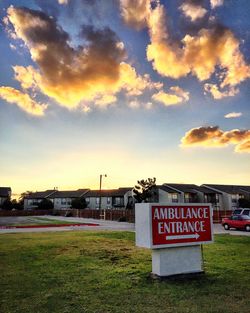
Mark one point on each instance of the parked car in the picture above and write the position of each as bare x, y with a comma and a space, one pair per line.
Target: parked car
237, 221
242, 211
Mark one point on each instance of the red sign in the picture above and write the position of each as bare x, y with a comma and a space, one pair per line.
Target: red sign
180, 225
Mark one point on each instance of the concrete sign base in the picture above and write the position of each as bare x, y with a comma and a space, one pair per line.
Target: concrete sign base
176, 261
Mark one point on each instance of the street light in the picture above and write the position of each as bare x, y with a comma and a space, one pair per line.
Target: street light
100, 198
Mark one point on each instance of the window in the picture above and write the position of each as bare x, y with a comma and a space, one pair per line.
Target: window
174, 197
63, 201
188, 197
235, 217
97, 201
35, 201
117, 201
234, 198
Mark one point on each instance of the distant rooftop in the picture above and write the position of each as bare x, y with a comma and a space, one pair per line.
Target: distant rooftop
5, 191
191, 188
69, 193
109, 192
41, 194
167, 189
52, 194
232, 189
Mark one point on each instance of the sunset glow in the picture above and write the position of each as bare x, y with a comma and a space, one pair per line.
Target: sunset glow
134, 89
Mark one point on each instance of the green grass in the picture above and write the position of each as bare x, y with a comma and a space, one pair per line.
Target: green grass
33, 221
101, 272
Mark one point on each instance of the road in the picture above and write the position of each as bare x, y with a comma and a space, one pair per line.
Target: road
103, 225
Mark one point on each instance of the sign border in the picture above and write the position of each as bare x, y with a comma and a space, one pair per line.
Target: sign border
172, 245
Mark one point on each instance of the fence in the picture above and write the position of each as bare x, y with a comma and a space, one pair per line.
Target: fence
108, 214
219, 215
25, 212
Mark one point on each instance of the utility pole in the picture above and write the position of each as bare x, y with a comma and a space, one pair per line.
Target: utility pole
100, 197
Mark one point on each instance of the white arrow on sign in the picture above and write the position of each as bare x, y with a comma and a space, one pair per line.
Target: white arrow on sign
196, 236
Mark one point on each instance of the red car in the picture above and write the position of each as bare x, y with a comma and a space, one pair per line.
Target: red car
237, 221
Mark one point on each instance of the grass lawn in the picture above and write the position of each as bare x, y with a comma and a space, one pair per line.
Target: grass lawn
33, 221
100, 272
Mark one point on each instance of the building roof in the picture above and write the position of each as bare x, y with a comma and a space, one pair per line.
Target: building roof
5, 191
191, 188
231, 189
245, 188
52, 194
70, 193
208, 190
108, 192
167, 189
41, 194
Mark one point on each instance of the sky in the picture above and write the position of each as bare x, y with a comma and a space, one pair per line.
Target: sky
131, 89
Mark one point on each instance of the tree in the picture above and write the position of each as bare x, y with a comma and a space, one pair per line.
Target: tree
7, 205
79, 203
17, 205
23, 195
45, 204
244, 203
144, 190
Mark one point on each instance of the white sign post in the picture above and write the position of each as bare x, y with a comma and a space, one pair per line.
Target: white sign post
175, 233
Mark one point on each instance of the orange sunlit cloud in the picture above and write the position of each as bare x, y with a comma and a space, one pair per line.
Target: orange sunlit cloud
94, 72
193, 11
216, 3
201, 55
22, 100
177, 96
218, 94
213, 136
135, 13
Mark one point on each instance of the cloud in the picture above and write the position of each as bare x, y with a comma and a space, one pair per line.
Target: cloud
93, 72
135, 84
218, 94
211, 51
177, 96
199, 55
134, 104
193, 10
12, 47
22, 100
135, 13
243, 147
63, 1
27, 76
233, 115
180, 92
216, 3
213, 136
105, 100
203, 136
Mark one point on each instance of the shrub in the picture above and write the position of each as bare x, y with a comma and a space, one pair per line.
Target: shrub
45, 204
